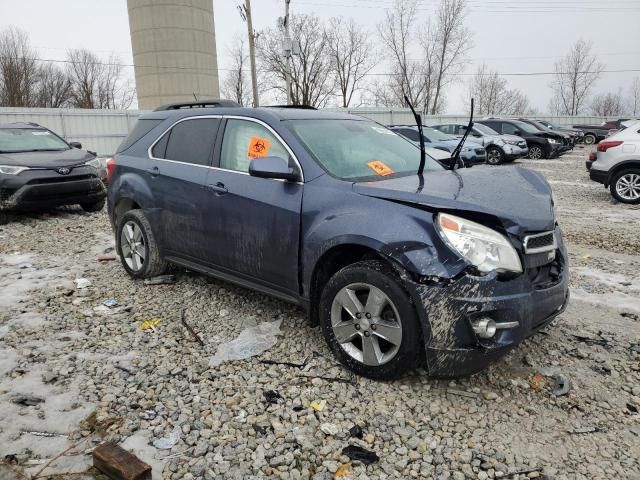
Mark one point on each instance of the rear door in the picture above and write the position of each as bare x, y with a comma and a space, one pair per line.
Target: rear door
183, 156
252, 225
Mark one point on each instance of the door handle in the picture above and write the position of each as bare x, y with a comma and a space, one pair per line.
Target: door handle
154, 171
218, 188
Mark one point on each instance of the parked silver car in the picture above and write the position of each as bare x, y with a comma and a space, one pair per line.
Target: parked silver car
500, 148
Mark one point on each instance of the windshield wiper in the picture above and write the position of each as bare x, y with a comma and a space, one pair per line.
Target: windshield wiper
418, 119
455, 156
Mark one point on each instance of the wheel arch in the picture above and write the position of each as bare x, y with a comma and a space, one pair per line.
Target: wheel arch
634, 163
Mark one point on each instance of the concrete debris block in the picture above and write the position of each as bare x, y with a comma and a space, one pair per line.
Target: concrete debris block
118, 464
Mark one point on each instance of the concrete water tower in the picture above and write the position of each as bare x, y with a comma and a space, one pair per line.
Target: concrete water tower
174, 50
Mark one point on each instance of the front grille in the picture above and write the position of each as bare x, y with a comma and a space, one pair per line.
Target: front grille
60, 179
548, 275
539, 242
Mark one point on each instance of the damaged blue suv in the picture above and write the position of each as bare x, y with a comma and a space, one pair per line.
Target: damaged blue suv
449, 269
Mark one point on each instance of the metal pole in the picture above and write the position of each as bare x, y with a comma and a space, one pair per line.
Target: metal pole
252, 53
288, 50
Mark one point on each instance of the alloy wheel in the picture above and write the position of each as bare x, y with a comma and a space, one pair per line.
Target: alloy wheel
366, 324
493, 156
628, 186
535, 153
132, 246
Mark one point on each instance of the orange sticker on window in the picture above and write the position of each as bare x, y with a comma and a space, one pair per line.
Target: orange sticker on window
258, 147
380, 168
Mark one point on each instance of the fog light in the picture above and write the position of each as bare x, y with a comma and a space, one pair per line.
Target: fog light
485, 327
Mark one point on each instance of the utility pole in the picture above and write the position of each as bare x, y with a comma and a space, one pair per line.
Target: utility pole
252, 53
288, 49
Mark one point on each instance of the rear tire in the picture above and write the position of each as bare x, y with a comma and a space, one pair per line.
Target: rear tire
93, 207
382, 338
495, 156
589, 139
137, 247
625, 186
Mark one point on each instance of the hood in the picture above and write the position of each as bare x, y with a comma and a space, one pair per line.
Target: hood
64, 158
512, 138
450, 145
519, 198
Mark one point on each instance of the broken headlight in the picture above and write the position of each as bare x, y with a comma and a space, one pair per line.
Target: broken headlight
485, 248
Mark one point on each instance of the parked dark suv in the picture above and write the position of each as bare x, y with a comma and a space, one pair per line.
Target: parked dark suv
541, 144
326, 210
38, 169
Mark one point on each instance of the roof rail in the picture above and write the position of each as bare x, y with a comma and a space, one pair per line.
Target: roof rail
301, 107
207, 103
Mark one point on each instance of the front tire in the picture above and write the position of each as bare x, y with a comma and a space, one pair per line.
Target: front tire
625, 186
536, 152
369, 322
137, 246
93, 207
589, 139
495, 156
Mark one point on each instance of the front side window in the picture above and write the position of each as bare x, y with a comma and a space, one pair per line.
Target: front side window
244, 141
359, 150
14, 140
190, 141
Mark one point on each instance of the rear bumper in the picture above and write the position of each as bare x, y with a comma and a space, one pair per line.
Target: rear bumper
599, 176
449, 310
52, 194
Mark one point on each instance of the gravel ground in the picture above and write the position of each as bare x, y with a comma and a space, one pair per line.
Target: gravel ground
71, 367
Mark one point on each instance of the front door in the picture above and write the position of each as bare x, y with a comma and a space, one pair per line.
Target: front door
253, 224
182, 159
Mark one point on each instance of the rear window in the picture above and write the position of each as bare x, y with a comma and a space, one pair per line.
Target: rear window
140, 129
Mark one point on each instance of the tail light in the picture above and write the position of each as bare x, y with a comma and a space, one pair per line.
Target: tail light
111, 168
605, 145
593, 156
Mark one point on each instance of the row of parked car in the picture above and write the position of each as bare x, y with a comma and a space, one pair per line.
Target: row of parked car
495, 140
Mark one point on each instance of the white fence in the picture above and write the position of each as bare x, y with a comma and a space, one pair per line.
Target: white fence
103, 130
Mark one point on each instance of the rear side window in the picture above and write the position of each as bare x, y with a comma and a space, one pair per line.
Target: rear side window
140, 129
191, 141
493, 125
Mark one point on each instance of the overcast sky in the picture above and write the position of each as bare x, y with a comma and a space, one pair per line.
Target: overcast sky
511, 36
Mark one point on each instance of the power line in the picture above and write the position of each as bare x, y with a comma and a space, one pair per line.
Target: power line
507, 74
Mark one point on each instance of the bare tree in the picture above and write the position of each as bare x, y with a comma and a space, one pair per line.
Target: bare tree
607, 104
451, 42
311, 79
574, 78
18, 69
97, 84
236, 84
351, 56
492, 96
397, 33
54, 87
634, 97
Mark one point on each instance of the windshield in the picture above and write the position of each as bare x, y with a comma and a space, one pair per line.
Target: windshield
359, 150
13, 140
436, 135
484, 129
525, 127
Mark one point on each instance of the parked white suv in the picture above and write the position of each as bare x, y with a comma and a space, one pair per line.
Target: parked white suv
616, 164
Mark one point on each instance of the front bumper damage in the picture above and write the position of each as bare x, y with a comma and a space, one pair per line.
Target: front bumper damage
448, 309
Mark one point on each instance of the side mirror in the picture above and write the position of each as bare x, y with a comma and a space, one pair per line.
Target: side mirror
272, 167
75, 144
517, 133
